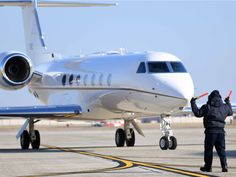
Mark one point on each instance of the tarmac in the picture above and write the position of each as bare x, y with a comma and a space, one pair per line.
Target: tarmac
91, 151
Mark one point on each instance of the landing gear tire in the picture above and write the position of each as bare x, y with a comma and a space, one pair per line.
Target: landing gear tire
130, 142
164, 143
172, 143
36, 142
25, 140
120, 137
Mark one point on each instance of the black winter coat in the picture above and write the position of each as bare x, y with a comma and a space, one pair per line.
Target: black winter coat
214, 113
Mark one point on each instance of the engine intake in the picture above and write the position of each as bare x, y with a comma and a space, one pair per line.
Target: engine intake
15, 70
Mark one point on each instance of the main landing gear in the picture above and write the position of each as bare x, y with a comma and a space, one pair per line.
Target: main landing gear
30, 137
125, 135
167, 141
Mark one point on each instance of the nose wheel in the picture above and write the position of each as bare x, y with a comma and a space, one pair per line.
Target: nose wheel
167, 141
164, 143
172, 143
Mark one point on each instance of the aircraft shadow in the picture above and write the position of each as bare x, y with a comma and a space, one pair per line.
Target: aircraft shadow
103, 147
107, 147
41, 150
229, 153
52, 150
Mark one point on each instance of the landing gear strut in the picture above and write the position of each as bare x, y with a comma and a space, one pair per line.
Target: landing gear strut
30, 137
125, 135
167, 141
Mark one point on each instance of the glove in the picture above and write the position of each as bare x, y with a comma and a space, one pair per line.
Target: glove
227, 100
193, 100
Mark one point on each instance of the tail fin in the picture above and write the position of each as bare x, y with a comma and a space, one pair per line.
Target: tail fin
35, 44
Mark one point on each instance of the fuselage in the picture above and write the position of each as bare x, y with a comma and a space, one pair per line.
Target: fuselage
114, 85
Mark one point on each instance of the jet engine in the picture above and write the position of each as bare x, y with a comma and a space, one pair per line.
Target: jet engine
15, 70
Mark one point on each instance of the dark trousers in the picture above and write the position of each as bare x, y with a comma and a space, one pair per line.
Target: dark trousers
217, 140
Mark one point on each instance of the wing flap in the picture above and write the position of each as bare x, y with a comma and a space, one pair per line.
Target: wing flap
54, 111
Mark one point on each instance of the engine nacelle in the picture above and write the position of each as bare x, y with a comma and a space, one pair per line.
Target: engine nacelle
15, 70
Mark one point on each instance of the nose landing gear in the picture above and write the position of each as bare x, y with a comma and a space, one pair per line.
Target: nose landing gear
167, 141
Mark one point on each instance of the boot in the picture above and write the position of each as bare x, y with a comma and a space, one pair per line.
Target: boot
205, 169
225, 169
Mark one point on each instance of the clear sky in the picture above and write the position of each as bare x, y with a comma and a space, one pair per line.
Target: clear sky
202, 34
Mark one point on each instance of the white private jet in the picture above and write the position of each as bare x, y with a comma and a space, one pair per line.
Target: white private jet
100, 86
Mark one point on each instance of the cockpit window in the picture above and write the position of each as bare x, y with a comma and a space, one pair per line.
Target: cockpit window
166, 67
141, 68
158, 67
178, 67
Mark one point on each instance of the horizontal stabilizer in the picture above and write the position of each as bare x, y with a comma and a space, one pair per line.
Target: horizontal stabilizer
54, 3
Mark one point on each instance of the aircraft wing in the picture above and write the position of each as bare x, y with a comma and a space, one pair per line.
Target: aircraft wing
52, 111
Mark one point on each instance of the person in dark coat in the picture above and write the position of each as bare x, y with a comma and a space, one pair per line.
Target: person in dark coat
214, 113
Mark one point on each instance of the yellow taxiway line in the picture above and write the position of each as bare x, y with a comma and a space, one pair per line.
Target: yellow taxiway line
122, 164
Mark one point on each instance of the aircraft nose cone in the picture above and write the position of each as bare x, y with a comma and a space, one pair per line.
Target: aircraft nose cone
184, 89
179, 86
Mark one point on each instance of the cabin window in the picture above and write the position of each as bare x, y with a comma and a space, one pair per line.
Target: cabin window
71, 79
78, 79
93, 80
178, 67
101, 80
109, 80
85, 79
64, 80
141, 68
158, 67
